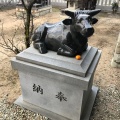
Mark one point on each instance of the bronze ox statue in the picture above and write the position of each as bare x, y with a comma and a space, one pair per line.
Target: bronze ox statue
68, 37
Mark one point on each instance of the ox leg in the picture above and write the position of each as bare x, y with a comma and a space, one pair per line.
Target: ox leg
40, 43
66, 51
41, 47
85, 47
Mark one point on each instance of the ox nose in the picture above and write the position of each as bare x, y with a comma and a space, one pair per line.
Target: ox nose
89, 32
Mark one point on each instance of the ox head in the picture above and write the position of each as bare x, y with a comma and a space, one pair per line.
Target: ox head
82, 21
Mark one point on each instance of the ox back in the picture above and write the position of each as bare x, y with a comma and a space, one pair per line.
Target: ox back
55, 35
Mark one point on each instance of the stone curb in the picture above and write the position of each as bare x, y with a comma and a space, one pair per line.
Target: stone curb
116, 59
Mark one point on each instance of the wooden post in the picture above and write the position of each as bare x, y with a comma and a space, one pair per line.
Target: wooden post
106, 2
110, 2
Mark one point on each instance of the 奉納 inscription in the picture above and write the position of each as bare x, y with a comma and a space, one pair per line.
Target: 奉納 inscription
61, 97
37, 88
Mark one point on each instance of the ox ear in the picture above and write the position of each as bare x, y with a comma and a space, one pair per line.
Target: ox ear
94, 12
94, 20
69, 13
67, 21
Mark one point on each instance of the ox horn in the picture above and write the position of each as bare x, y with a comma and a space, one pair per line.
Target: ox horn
69, 13
94, 12
89, 12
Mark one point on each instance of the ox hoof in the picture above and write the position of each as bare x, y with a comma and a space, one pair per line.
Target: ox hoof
65, 53
41, 47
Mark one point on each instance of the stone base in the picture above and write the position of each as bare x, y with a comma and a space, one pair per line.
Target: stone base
85, 115
20, 12
114, 63
58, 86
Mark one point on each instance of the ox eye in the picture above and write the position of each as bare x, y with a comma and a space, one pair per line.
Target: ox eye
89, 19
80, 20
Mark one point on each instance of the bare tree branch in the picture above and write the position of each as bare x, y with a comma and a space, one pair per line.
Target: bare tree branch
9, 43
28, 25
32, 26
5, 53
25, 7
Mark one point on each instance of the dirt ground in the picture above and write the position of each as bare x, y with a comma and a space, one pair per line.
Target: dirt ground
107, 104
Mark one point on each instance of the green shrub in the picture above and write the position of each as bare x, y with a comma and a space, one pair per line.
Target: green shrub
115, 7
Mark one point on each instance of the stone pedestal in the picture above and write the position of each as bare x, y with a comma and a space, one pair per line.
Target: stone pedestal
116, 59
58, 87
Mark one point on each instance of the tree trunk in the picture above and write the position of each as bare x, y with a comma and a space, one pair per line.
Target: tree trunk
27, 28
28, 9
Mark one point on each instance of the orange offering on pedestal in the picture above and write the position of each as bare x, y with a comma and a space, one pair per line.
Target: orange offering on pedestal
78, 57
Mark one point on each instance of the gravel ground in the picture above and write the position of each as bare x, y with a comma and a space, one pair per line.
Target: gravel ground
106, 107
107, 104
15, 112
107, 100
107, 79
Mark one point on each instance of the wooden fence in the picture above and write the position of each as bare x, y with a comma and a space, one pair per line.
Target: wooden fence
105, 5
107, 2
8, 1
